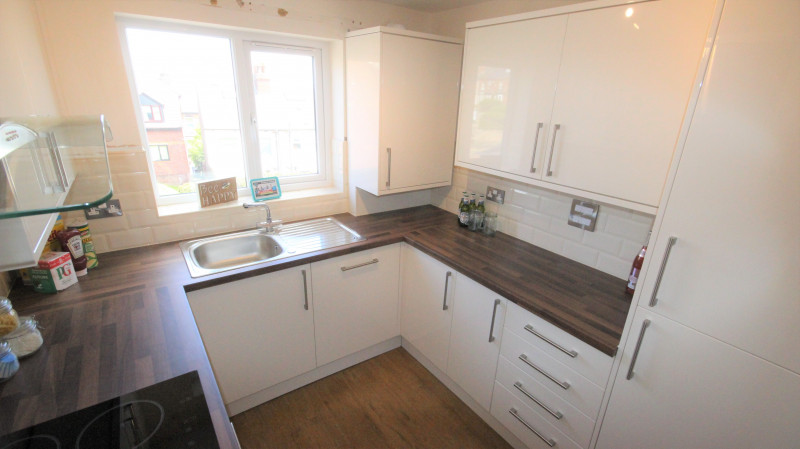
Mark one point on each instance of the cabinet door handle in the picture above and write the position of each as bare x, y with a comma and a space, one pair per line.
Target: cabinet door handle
645, 325
446, 283
494, 314
570, 352
556, 414
539, 127
556, 127
360, 265
670, 244
550, 442
561, 383
305, 290
389, 167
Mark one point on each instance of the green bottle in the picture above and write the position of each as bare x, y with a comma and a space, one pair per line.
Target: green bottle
463, 211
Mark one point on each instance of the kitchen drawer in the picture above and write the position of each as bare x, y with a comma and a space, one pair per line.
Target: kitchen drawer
587, 361
570, 420
529, 426
554, 375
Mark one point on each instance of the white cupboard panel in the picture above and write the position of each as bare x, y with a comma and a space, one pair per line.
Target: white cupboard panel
355, 307
691, 390
257, 331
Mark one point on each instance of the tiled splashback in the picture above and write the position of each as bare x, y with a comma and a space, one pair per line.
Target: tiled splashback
539, 216
140, 224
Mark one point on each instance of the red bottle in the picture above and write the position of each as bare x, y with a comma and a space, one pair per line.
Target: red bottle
636, 269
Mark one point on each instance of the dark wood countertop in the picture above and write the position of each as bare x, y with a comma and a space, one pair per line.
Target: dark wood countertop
127, 325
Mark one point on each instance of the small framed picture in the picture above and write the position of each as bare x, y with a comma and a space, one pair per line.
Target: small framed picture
265, 188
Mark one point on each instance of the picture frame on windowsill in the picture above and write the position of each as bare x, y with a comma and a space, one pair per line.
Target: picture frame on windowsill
264, 189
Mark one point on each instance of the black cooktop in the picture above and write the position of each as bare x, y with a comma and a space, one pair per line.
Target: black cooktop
169, 414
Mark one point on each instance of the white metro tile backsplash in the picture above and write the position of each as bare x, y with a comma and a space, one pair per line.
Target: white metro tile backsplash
539, 216
141, 225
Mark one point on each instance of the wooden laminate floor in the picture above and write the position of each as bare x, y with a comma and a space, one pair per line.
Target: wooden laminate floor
390, 401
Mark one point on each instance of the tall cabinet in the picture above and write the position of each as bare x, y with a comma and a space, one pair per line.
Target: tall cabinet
402, 102
711, 359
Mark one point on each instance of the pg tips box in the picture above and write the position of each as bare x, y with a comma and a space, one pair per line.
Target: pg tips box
55, 272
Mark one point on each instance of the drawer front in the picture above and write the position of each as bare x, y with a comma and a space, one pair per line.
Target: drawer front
554, 375
587, 361
525, 423
549, 405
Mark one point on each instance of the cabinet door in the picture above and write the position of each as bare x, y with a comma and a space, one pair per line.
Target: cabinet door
257, 331
478, 317
418, 107
691, 390
426, 304
508, 86
625, 79
734, 270
355, 301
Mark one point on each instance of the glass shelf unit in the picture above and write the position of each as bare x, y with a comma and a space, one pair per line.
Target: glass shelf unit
53, 164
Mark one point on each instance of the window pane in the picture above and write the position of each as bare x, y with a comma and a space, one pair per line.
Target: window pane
285, 108
187, 93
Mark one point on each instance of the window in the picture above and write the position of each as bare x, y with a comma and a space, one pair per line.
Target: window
236, 104
159, 153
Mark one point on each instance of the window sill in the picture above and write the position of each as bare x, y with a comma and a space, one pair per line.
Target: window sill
286, 197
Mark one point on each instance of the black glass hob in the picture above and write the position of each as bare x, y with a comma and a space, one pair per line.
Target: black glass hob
167, 415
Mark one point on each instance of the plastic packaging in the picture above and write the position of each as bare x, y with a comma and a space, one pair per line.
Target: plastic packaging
9, 364
9, 320
26, 339
71, 241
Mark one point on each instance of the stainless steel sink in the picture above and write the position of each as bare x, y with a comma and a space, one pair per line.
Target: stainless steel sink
226, 252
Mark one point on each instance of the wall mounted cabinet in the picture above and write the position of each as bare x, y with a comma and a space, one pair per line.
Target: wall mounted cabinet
402, 102
589, 102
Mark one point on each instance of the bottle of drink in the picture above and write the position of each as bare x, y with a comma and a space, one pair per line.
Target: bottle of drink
463, 211
636, 268
477, 216
471, 209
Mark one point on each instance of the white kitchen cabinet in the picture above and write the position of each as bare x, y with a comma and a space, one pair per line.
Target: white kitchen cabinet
508, 87
427, 287
691, 390
257, 331
734, 270
402, 103
624, 76
477, 328
355, 301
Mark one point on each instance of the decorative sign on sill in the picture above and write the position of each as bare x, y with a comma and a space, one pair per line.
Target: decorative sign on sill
217, 192
583, 214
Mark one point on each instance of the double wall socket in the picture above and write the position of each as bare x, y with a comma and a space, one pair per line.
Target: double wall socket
495, 194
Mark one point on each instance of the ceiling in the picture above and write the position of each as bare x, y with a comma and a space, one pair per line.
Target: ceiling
432, 5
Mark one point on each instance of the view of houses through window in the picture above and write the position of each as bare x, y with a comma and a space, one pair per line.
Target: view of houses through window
191, 106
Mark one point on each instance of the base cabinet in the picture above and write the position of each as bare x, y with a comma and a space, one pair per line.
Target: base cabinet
355, 301
257, 331
686, 389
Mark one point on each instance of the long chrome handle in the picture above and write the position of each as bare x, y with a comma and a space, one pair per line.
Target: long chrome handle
556, 414
561, 383
497, 302
373, 261
645, 325
446, 283
670, 244
556, 127
305, 289
389, 167
550, 442
570, 352
535, 145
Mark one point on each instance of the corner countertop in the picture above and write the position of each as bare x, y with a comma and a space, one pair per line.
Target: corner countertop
127, 325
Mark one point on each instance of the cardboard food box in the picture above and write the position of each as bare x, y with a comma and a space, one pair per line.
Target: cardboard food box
55, 272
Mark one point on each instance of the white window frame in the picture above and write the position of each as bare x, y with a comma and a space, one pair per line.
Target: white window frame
241, 42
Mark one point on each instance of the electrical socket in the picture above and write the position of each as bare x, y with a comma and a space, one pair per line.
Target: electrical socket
495, 194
